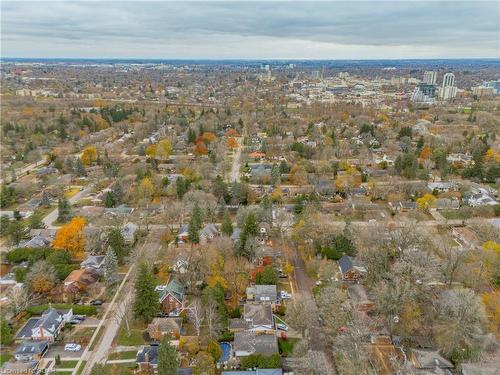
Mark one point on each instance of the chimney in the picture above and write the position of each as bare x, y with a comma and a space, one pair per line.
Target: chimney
146, 357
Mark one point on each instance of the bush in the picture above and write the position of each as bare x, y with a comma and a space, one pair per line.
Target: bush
226, 336
20, 273
63, 270
77, 309
260, 361
23, 254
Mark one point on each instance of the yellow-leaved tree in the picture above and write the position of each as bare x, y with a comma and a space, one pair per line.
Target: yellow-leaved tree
426, 202
89, 155
70, 237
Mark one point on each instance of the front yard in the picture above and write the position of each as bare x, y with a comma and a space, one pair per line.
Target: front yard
134, 337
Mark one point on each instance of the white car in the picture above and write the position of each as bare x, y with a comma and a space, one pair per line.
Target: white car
285, 295
72, 347
282, 326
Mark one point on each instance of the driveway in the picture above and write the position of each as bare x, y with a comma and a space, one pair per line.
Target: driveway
52, 216
58, 349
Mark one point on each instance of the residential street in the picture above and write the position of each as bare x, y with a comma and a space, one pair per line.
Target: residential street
52, 216
235, 169
121, 302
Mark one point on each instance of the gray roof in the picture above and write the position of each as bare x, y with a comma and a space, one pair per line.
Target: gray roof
250, 342
263, 292
348, 263
209, 230
92, 261
258, 314
32, 347
50, 321
152, 353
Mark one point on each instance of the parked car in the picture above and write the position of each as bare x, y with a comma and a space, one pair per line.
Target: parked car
79, 317
72, 347
285, 295
282, 326
96, 302
75, 321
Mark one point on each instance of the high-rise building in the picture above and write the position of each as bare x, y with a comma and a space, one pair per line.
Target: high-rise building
448, 89
430, 77
448, 79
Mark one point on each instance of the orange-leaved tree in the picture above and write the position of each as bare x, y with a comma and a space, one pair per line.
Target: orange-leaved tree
70, 237
232, 143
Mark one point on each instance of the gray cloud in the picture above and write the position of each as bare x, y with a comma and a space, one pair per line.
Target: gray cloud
370, 29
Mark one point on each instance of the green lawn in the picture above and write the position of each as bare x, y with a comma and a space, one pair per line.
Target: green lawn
123, 355
67, 364
135, 337
286, 346
122, 368
4, 357
80, 369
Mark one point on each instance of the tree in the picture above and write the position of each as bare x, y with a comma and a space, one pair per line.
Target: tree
45, 199
36, 221
195, 224
42, 277
116, 242
146, 189
203, 364
70, 237
80, 168
461, 318
200, 148
227, 225
181, 187
110, 266
232, 143
146, 304
214, 350
212, 319
109, 199
16, 232
19, 299
167, 358
195, 315
89, 155
64, 210
8, 196
269, 276
6, 334
164, 149
301, 313
426, 202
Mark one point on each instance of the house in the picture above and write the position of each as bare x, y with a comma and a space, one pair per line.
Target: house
183, 234
257, 155
350, 268
93, 262
47, 327
121, 210
236, 234
262, 293
19, 368
429, 359
208, 233
248, 342
325, 188
171, 296
78, 281
259, 317
31, 350
447, 204
147, 359
442, 187
465, 237
181, 263
403, 206
160, 327
128, 232
479, 199
36, 242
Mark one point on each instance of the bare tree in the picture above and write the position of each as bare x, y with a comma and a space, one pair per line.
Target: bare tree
19, 299
301, 313
212, 319
196, 316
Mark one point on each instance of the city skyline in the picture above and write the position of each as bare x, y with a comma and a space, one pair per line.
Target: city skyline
242, 30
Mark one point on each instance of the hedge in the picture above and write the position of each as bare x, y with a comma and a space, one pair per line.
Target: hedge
261, 361
77, 309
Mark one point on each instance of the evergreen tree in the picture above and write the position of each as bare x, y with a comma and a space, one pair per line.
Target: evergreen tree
64, 210
110, 266
181, 187
167, 358
146, 303
80, 168
116, 243
195, 225
227, 225
45, 199
16, 231
109, 199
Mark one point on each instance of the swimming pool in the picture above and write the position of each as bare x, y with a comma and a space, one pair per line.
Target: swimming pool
226, 352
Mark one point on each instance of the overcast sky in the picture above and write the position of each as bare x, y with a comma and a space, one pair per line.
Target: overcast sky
255, 30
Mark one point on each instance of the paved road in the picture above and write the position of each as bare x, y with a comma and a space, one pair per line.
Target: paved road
27, 169
52, 216
235, 169
121, 302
